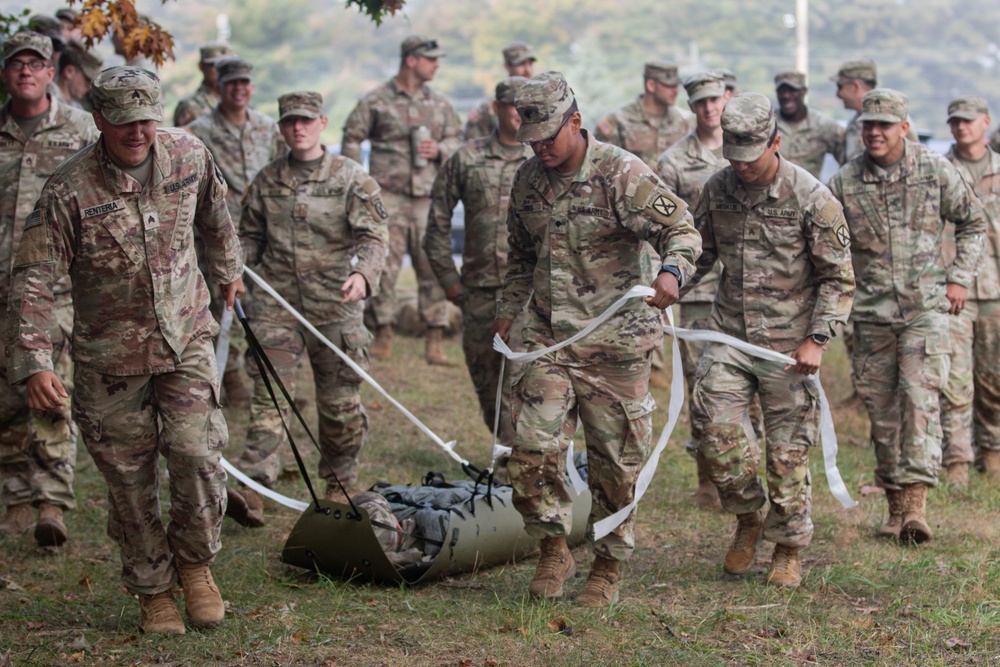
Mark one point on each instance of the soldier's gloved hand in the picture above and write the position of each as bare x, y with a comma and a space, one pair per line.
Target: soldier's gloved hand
502, 326
354, 288
957, 296
667, 291
45, 391
233, 291
454, 293
809, 355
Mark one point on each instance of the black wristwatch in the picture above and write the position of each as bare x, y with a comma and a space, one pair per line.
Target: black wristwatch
672, 270
820, 339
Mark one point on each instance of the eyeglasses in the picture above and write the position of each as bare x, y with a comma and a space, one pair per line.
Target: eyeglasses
33, 65
551, 140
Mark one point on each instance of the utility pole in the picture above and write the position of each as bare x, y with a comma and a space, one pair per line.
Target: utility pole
802, 37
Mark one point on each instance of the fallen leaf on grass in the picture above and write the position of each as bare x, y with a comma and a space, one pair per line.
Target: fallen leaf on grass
372, 603
298, 637
491, 663
5, 659
871, 490
957, 644
560, 626
35, 625
11, 585
522, 631
77, 657
464, 663
375, 405
867, 610
79, 644
862, 623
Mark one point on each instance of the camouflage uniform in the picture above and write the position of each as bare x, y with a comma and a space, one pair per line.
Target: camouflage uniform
645, 137
37, 448
145, 374
203, 100
480, 175
482, 119
786, 276
806, 143
970, 409
387, 116
301, 235
571, 256
901, 341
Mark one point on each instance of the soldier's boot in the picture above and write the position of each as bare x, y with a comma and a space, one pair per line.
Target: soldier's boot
245, 507
601, 589
706, 496
749, 531
433, 352
555, 567
915, 528
334, 494
50, 531
894, 523
202, 599
234, 385
956, 475
159, 615
786, 568
17, 520
382, 345
991, 464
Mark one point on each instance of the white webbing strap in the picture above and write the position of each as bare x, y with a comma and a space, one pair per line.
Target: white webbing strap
296, 505
222, 343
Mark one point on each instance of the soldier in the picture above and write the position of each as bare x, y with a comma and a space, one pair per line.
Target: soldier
203, 100
970, 418
685, 167
479, 175
730, 77
807, 135
70, 25
897, 197
580, 212
786, 279
652, 123
519, 60
77, 68
305, 216
242, 140
37, 449
854, 79
117, 219
394, 117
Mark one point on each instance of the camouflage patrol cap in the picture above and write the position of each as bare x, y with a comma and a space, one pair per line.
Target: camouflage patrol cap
543, 102
49, 26
969, 107
305, 104
422, 47
214, 51
507, 89
662, 71
729, 76
796, 80
27, 40
516, 53
860, 70
233, 68
386, 526
126, 94
66, 14
748, 123
704, 85
87, 62
884, 105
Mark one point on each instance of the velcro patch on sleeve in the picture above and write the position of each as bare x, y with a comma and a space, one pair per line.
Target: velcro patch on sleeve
34, 245
830, 213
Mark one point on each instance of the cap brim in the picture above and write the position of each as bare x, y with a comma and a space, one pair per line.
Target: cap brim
235, 77
704, 94
791, 84
743, 152
519, 61
123, 116
538, 131
434, 53
880, 118
964, 115
299, 113
21, 49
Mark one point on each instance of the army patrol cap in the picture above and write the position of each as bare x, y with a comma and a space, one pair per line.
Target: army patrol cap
212, 52
516, 53
852, 70
233, 68
27, 40
748, 123
969, 107
662, 71
49, 26
304, 104
704, 85
507, 89
422, 47
66, 14
729, 76
884, 105
543, 102
126, 94
796, 80
87, 62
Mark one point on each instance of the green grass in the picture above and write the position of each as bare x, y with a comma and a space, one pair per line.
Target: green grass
862, 602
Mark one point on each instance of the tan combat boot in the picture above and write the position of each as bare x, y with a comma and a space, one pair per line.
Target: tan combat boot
245, 507
555, 567
18, 520
749, 530
434, 353
159, 614
50, 531
915, 529
202, 599
956, 475
601, 590
786, 569
706, 496
991, 464
382, 345
894, 523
